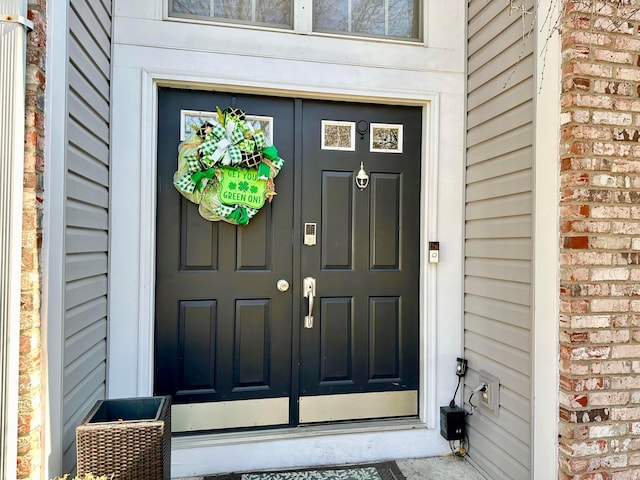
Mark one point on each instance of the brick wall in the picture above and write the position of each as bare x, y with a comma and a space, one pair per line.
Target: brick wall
29, 400
600, 241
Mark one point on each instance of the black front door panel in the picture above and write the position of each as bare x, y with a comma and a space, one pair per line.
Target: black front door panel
225, 333
367, 262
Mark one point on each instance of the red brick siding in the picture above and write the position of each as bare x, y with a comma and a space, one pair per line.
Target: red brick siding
599, 414
29, 400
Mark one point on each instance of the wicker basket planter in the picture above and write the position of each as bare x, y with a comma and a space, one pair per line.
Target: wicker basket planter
129, 438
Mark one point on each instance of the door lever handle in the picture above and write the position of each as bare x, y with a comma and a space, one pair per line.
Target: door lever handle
309, 292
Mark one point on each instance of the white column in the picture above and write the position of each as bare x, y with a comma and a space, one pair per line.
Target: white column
546, 251
12, 98
53, 246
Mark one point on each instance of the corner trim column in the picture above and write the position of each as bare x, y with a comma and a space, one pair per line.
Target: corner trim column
13, 44
53, 248
546, 251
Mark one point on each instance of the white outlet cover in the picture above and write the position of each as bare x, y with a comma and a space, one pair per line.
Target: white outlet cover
490, 399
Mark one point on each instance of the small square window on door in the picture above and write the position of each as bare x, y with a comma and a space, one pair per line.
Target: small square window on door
192, 120
386, 138
338, 135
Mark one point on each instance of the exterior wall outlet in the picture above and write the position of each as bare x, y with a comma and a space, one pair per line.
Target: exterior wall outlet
490, 398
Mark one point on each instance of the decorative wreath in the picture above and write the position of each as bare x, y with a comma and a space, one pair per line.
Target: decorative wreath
227, 168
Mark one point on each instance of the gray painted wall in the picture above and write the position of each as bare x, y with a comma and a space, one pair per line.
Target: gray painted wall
498, 239
86, 214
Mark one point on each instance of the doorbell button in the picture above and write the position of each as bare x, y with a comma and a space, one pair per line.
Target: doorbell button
434, 252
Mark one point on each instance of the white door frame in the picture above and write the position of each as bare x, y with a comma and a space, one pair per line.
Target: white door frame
151, 82
133, 203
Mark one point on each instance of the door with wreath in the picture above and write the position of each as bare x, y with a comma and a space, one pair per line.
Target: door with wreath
308, 310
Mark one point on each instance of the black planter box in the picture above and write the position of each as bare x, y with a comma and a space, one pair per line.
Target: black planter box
129, 438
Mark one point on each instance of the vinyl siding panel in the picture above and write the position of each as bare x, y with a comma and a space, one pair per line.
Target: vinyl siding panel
519, 95
509, 120
87, 167
85, 315
498, 235
503, 333
500, 248
513, 205
484, 90
509, 142
480, 168
86, 190
86, 215
85, 265
85, 90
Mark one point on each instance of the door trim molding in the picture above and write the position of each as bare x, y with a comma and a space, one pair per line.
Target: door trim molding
140, 288
147, 246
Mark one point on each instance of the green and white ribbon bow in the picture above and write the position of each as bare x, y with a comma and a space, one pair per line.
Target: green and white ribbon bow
271, 154
225, 144
194, 175
229, 141
238, 214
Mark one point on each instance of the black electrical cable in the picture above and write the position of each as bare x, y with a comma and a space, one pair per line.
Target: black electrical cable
452, 403
480, 388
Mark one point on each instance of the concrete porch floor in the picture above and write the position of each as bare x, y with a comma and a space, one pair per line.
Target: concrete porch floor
438, 468
432, 468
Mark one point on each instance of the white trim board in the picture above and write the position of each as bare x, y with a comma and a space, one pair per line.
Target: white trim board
53, 268
146, 203
546, 246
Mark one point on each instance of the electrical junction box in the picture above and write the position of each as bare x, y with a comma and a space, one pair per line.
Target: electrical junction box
452, 426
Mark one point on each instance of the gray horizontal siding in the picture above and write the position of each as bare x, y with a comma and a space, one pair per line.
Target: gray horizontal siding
86, 215
498, 235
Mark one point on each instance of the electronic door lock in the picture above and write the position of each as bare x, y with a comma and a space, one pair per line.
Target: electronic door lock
310, 234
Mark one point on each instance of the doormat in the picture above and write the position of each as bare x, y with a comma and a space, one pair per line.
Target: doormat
375, 471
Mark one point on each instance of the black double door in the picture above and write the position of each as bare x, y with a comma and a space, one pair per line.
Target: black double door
233, 342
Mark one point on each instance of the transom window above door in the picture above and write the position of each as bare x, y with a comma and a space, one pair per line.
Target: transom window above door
397, 19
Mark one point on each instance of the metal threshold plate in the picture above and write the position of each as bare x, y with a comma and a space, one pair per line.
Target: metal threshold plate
236, 414
357, 406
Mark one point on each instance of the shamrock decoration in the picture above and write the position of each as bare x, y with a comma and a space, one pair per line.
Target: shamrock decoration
227, 168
